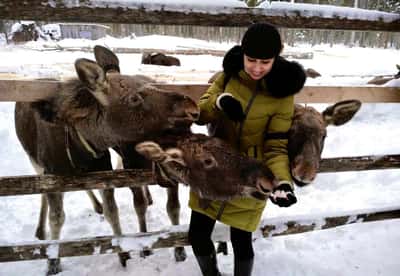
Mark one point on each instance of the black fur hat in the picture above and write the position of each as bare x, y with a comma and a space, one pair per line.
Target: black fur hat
262, 41
285, 78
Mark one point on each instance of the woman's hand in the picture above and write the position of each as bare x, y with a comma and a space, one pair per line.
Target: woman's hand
230, 106
283, 195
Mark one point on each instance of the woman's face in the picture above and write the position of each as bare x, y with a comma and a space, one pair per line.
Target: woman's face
257, 68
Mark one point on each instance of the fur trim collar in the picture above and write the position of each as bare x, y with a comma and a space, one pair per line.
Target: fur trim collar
285, 78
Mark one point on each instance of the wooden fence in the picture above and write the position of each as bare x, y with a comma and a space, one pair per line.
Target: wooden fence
18, 90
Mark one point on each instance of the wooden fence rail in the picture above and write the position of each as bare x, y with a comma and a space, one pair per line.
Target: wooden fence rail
295, 16
33, 90
23, 185
177, 236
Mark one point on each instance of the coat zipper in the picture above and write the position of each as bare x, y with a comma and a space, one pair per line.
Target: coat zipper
247, 109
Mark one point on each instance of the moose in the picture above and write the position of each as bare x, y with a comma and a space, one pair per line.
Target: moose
201, 161
72, 131
307, 135
25, 32
160, 59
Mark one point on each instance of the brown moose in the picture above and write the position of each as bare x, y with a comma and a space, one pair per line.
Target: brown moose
160, 59
26, 32
72, 131
307, 136
202, 161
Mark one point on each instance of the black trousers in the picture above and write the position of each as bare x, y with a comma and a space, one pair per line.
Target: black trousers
200, 229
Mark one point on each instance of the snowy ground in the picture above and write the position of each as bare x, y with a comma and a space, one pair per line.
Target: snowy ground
360, 249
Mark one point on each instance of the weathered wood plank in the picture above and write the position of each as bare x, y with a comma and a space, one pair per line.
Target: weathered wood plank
193, 14
299, 225
177, 236
27, 90
23, 185
360, 163
33, 90
312, 94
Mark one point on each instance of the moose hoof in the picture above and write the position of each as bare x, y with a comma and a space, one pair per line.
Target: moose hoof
99, 209
222, 248
40, 234
53, 266
180, 254
145, 253
123, 258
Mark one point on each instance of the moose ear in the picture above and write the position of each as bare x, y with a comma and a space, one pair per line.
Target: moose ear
89, 72
341, 112
106, 59
151, 151
93, 77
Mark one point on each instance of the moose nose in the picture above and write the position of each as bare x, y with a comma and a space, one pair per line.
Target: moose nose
194, 115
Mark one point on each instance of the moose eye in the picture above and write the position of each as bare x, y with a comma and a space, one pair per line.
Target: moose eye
175, 155
209, 163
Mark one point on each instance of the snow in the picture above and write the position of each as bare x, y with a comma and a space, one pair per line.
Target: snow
327, 11
208, 6
359, 249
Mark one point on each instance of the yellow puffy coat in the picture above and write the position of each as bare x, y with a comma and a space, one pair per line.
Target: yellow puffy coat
267, 114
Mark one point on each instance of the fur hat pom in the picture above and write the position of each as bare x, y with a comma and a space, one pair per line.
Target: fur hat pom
233, 61
285, 78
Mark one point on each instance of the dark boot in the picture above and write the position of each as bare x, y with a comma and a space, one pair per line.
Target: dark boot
208, 265
243, 267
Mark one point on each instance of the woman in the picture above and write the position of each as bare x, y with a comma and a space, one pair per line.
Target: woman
250, 105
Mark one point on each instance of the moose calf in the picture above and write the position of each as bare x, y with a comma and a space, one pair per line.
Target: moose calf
202, 161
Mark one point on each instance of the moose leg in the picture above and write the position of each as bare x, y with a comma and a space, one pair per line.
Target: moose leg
173, 210
56, 219
41, 226
140, 203
98, 208
111, 214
